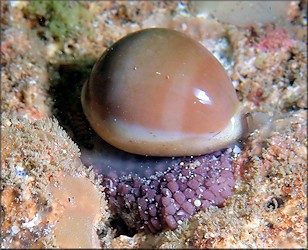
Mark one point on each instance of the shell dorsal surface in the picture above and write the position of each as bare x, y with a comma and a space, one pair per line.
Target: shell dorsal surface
158, 92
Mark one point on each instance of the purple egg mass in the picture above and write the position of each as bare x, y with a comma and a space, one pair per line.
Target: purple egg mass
151, 194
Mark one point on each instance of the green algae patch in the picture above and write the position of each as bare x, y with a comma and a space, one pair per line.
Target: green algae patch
61, 18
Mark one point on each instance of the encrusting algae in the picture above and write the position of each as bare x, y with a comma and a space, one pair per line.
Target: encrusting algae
47, 192
81, 202
49, 199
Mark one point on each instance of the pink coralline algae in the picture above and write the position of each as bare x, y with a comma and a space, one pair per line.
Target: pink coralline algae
275, 39
166, 198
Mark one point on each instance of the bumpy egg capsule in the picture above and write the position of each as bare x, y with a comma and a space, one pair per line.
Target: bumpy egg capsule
158, 92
